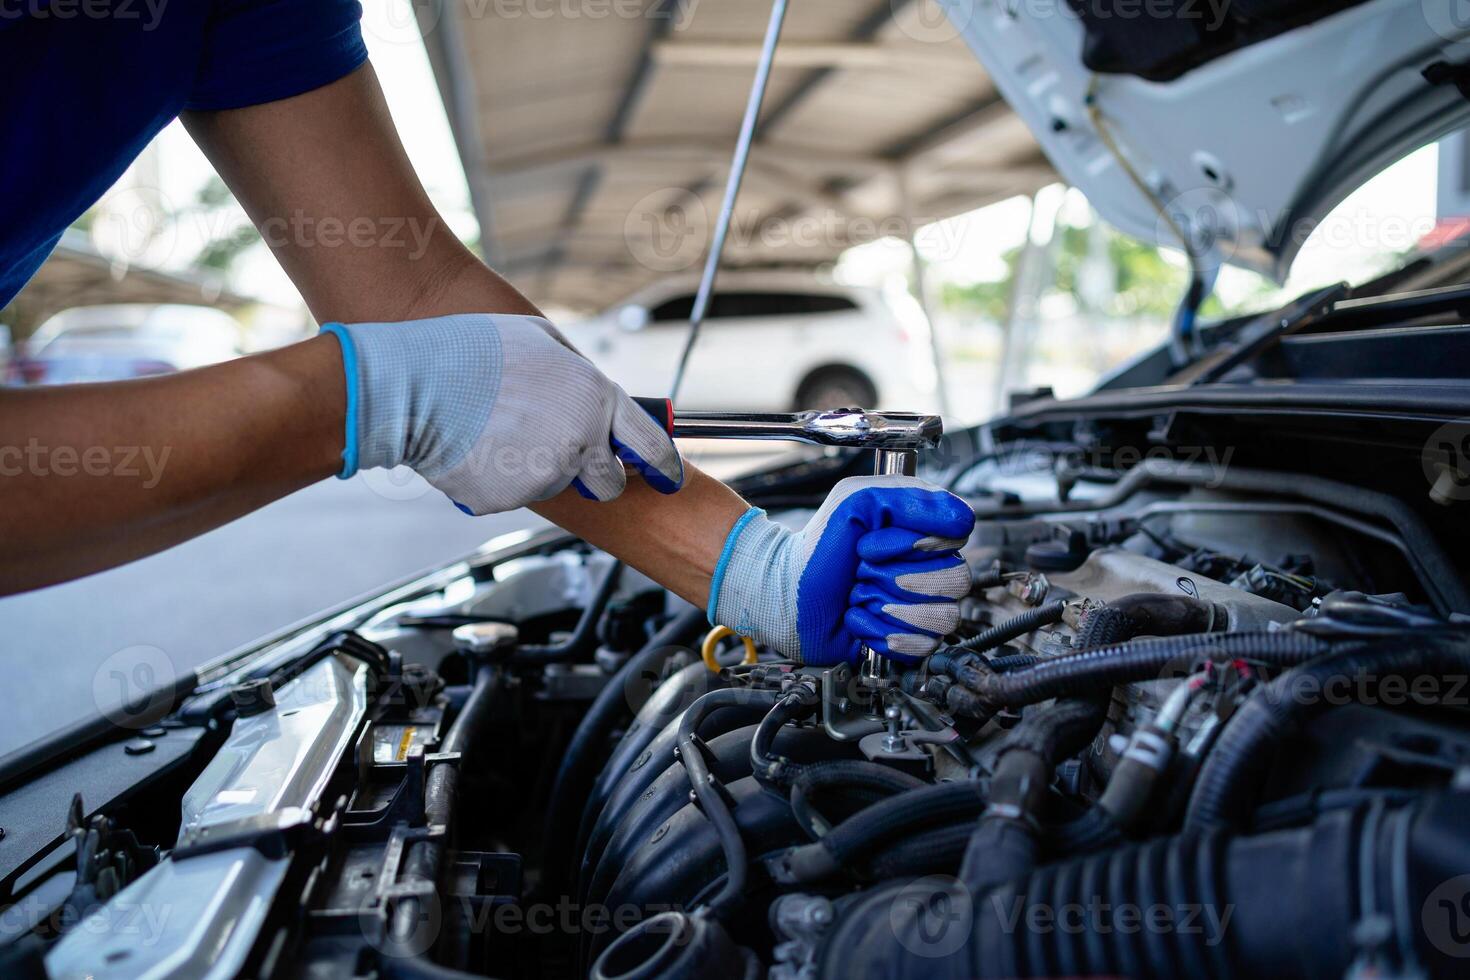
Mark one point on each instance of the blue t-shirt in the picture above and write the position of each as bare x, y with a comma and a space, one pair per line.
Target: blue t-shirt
89, 82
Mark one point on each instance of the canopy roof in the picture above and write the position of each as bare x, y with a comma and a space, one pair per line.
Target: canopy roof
596, 134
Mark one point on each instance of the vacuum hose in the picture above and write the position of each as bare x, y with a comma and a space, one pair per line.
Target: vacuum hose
981, 692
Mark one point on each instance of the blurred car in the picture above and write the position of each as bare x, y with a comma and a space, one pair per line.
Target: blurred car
129, 340
772, 341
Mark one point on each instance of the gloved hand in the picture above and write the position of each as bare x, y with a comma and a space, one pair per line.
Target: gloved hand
495, 411
877, 565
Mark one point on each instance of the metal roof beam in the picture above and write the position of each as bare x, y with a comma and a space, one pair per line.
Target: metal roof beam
675, 151
660, 22
807, 54
866, 30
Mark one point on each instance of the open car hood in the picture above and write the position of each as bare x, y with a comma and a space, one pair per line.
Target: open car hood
1245, 122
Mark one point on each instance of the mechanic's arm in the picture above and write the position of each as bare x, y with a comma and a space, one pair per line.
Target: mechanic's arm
93, 476
331, 161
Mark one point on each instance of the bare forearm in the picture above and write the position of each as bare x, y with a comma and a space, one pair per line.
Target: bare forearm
675, 540
92, 476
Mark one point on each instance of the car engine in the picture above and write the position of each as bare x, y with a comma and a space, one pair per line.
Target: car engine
1199, 718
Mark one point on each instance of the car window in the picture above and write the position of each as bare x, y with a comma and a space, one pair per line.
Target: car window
97, 333
753, 304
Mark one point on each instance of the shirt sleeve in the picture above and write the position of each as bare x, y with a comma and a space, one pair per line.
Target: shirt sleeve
262, 50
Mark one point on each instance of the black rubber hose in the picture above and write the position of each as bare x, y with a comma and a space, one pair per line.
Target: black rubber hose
817, 776
865, 782
1019, 625
584, 634
1004, 844
424, 860
874, 827
1105, 626
1014, 661
935, 851
441, 782
1090, 832
986, 580
710, 800
1232, 772
580, 760
1056, 731
982, 692
763, 765
1148, 614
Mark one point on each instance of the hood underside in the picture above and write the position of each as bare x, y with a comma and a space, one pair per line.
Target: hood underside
1266, 119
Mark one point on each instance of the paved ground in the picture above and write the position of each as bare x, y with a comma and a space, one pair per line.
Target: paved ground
68, 651
324, 545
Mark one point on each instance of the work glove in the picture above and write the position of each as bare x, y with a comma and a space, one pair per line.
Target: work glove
494, 410
877, 565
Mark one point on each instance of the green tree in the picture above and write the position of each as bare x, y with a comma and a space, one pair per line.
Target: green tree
1144, 283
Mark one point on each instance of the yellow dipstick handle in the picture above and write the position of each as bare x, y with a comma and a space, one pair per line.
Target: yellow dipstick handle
713, 638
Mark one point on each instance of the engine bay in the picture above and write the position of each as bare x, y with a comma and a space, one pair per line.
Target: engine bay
1199, 717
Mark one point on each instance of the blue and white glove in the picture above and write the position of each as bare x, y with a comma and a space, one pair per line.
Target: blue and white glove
877, 565
494, 410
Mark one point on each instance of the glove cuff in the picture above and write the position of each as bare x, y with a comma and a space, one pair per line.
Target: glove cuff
349, 371
419, 392
753, 587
